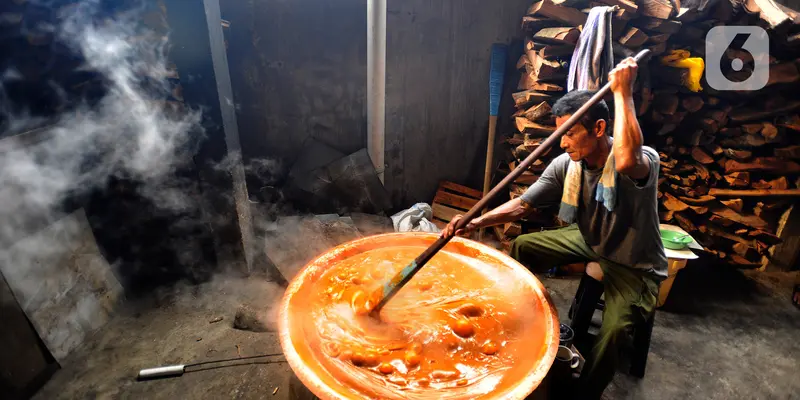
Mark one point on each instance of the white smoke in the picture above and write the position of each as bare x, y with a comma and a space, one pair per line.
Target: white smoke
131, 132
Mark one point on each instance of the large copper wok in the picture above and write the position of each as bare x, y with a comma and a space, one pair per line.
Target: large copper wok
305, 361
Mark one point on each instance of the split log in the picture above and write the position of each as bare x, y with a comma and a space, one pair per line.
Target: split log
698, 201
761, 208
734, 204
633, 38
523, 59
546, 8
752, 129
685, 223
658, 49
779, 184
770, 132
531, 128
702, 172
715, 149
744, 141
791, 122
682, 192
746, 220
661, 9
739, 155
538, 111
551, 51
673, 204
657, 25
692, 103
769, 12
541, 69
559, 36
525, 98
766, 237
534, 24
744, 114
745, 250
763, 164
669, 75
527, 82
721, 221
754, 193
742, 262
738, 179
626, 5
658, 39
788, 152
666, 216
699, 210
665, 103
701, 156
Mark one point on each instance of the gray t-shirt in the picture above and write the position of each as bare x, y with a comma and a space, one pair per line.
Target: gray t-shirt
630, 234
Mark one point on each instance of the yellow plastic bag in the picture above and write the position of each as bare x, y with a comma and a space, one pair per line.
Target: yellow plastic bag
695, 65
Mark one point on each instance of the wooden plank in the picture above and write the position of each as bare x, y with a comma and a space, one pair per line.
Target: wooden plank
445, 213
461, 189
753, 193
454, 200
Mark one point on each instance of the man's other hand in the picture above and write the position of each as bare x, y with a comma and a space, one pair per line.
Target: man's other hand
450, 229
623, 76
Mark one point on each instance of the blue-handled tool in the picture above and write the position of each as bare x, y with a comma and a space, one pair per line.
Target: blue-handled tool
388, 290
496, 78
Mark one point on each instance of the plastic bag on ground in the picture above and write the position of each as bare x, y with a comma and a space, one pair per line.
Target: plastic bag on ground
415, 219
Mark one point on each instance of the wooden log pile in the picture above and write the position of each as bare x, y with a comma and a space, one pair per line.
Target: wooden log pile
730, 160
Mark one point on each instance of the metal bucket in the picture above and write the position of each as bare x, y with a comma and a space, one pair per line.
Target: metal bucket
305, 360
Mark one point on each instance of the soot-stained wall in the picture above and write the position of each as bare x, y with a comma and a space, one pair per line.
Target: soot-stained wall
299, 70
437, 85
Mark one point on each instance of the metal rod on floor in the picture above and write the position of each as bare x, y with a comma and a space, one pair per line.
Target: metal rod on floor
169, 371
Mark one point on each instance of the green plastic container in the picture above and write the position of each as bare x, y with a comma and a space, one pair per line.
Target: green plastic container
675, 240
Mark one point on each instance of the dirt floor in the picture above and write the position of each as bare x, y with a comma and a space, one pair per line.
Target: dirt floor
721, 335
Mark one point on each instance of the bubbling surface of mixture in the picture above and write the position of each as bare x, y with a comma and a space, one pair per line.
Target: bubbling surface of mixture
461, 328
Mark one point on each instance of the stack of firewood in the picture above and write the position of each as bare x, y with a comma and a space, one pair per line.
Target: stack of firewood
728, 175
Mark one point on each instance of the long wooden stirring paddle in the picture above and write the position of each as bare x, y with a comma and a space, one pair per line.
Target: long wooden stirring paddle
388, 290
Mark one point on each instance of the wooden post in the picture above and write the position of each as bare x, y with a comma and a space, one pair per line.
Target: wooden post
196, 29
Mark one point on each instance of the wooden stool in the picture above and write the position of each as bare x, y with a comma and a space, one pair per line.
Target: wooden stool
587, 300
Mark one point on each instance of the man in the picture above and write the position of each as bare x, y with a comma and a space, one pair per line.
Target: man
607, 190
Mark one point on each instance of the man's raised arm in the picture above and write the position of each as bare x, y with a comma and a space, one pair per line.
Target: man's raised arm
628, 139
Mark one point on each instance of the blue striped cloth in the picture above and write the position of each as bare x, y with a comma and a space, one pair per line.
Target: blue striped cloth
593, 57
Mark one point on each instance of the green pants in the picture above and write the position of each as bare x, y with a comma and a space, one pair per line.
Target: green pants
630, 295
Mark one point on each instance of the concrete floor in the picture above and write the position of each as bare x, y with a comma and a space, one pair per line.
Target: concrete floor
722, 335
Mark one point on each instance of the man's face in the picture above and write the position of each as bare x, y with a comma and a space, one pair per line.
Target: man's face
578, 142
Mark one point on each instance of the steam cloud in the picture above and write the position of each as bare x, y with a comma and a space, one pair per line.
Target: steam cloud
127, 133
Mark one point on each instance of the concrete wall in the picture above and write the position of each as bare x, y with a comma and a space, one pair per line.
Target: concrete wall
299, 70
437, 88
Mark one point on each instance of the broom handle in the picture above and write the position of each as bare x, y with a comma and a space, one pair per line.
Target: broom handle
391, 288
487, 176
